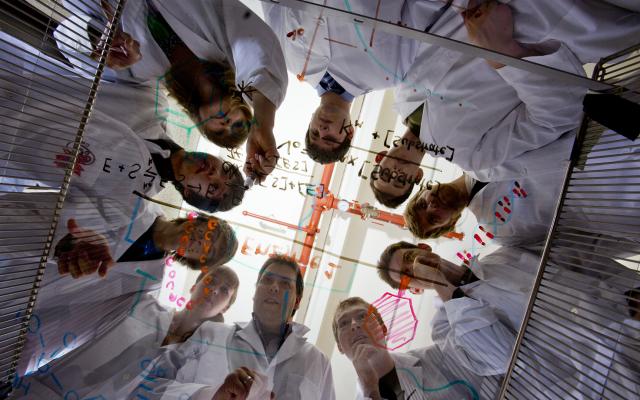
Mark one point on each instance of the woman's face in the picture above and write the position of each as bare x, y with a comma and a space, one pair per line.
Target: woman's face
217, 114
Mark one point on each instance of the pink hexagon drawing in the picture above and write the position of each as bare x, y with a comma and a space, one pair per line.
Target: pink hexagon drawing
398, 317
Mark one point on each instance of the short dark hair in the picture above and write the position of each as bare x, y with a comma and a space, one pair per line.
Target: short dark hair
352, 301
288, 261
232, 197
385, 261
326, 156
387, 199
225, 233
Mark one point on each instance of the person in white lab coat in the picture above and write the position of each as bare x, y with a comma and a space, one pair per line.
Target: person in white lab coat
515, 212
328, 55
210, 55
423, 373
114, 161
134, 266
112, 365
488, 116
270, 350
483, 306
331, 55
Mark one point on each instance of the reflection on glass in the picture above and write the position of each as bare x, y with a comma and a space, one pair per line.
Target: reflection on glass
465, 160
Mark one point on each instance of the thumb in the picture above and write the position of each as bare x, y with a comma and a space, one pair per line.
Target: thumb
106, 264
72, 226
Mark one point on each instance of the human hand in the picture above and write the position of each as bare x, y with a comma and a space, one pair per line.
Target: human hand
242, 384
427, 271
82, 252
371, 363
490, 25
124, 50
262, 154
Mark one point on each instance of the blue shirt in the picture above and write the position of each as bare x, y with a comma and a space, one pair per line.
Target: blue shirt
328, 84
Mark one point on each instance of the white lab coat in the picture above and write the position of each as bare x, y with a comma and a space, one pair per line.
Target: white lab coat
85, 307
113, 364
490, 117
429, 374
479, 329
200, 365
526, 219
486, 117
213, 30
381, 66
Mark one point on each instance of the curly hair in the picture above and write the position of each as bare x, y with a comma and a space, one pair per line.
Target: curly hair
323, 156
421, 231
225, 233
222, 78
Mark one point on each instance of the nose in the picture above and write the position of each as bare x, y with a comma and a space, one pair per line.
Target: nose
274, 287
355, 324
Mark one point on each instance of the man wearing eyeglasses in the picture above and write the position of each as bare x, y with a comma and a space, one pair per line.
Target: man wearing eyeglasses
420, 374
483, 303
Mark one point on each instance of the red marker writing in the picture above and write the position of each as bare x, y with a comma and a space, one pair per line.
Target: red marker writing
477, 237
497, 214
489, 234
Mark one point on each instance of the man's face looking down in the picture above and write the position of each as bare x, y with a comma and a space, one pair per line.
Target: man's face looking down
351, 329
395, 175
204, 174
436, 207
329, 127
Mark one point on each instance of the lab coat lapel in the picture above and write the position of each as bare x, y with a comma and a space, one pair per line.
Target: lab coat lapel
291, 345
247, 332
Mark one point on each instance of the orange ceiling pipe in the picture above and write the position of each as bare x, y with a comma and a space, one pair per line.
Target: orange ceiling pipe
318, 209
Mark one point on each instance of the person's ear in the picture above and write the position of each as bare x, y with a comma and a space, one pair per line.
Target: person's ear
193, 287
350, 131
296, 305
380, 156
416, 290
424, 246
419, 175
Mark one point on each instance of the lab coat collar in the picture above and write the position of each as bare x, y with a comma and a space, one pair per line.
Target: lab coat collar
292, 344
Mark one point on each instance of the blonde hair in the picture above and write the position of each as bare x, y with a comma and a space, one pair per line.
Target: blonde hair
421, 231
224, 83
